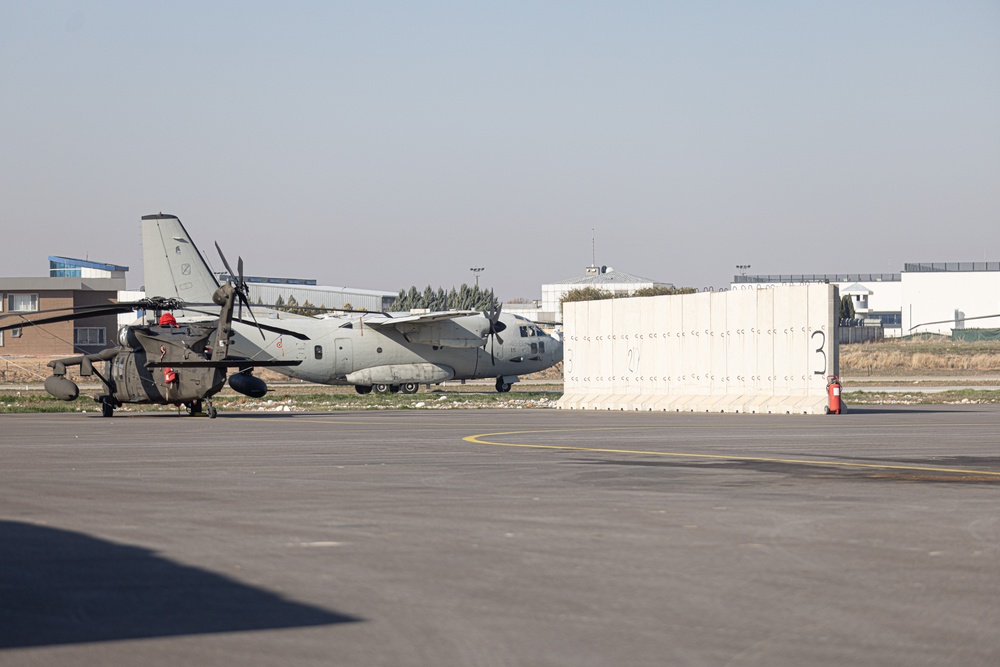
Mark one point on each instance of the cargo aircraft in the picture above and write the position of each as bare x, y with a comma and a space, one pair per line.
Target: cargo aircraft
379, 352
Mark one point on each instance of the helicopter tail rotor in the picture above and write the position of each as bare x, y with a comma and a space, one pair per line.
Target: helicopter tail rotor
240, 288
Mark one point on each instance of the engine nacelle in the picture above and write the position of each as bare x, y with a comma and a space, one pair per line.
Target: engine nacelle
61, 387
248, 385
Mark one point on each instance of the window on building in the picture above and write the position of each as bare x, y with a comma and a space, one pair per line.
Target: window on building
89, 336
1, 303
22, 303
15, 333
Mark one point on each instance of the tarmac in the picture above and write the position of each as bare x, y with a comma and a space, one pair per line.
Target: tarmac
502, 537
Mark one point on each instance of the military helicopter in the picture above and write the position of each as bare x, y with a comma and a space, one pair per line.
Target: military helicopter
165, 363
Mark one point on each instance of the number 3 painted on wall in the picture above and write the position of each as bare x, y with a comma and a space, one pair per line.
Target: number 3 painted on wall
822, 344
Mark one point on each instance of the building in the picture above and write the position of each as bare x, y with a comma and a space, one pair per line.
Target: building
270, 291
67, 267
923, 298
71, 337
618, 283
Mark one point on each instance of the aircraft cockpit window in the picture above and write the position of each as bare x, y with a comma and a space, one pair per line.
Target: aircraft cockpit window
527, 330
524, 332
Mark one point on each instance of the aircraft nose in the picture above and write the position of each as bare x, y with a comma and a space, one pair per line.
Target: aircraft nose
557, 350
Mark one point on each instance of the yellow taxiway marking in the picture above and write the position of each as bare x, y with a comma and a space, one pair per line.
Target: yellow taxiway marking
480, 439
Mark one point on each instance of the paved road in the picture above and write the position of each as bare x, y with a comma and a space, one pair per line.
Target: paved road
518, 537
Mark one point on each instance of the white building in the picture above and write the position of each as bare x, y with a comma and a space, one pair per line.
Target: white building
923, 298
603, 278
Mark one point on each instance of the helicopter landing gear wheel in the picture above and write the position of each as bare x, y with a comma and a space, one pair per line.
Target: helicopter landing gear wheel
212, 412
107, 409
380, 388
409, 387
363, 389
502, 387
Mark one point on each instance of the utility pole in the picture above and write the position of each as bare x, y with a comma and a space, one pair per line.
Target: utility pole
477, 270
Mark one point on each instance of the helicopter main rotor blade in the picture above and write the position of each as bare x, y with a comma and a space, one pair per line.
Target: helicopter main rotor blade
272, 329
97, 312
229, 269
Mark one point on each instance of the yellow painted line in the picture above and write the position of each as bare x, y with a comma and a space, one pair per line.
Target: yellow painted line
480, 439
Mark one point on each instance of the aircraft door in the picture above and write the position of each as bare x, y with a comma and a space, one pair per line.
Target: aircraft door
344, 363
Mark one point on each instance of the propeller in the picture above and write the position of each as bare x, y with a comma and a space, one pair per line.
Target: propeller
241, 289
492, 314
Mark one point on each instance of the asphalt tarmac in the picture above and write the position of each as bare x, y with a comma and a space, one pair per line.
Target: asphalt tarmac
489, 537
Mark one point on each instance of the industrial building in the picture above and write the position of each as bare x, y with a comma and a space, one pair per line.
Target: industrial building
271, 291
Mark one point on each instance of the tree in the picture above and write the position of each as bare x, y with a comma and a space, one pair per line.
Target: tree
847, 308
586, 294
662, 290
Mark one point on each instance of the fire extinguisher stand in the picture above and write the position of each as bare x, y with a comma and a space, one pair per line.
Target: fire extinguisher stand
833, 394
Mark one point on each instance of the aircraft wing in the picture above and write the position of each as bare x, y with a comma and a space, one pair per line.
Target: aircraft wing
459, 328
377, 320
222, 363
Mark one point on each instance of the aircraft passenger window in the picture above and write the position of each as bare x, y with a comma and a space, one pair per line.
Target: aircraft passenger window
318, 351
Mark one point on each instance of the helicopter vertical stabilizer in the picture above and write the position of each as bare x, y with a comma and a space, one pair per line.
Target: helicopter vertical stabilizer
172, 265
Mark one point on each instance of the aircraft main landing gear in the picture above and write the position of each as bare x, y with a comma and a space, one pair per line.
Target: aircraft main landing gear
409, 387
502, 387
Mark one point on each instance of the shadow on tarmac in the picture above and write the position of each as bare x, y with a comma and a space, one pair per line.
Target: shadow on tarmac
62, 587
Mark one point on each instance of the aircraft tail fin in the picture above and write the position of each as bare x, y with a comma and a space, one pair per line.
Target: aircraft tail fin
172, 265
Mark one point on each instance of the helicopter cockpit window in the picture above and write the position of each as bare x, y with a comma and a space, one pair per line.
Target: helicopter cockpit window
318, 351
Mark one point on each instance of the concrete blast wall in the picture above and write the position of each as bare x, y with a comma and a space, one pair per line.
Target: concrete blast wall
766, 350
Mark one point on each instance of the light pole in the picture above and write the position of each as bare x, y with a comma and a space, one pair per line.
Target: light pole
477, 270
743, 268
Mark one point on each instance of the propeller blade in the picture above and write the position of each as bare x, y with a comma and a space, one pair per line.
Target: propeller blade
241, 287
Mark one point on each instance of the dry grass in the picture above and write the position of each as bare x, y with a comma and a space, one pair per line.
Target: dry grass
931, 356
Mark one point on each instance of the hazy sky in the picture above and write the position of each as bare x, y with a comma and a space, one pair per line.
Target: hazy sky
385, 144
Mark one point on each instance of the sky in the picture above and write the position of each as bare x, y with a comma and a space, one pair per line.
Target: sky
381, 145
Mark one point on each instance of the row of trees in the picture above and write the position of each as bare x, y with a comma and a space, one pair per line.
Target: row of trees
596, 294
463, 298
306, 308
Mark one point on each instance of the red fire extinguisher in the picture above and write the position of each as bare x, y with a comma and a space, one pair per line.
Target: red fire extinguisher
169, 375
833, 393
